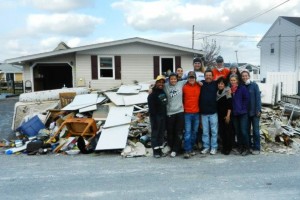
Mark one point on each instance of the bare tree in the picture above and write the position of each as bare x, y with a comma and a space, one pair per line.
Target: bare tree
212, 50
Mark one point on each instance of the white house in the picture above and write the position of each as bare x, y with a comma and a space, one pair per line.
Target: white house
104, 65
280, 47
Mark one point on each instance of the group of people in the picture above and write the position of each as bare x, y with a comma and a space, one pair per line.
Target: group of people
217, 106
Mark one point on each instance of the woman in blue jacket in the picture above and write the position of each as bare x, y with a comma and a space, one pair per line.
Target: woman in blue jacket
254, 112
240, 101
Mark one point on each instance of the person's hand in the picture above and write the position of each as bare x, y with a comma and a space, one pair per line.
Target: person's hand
227, 119
258, 114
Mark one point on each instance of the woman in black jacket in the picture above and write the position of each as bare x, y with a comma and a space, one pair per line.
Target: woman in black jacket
224, 115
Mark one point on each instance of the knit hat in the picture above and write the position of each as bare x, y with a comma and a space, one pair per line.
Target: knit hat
219, 59
234, 65
197, 59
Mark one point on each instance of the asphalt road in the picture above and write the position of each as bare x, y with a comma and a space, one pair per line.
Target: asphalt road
109, 176
6, 117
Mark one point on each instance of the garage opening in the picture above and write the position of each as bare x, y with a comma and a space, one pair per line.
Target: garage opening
52, 76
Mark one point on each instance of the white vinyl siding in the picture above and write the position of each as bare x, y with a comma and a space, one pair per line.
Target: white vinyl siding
282, 36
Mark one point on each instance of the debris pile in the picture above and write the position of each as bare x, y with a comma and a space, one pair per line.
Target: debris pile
77, 120
280, 129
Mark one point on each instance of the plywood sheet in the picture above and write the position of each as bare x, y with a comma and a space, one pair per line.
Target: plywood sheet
115, 98
113, 138
118, 116
81, 101
140, 98
129, 89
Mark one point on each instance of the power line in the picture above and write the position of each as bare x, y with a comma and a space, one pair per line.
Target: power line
247, 20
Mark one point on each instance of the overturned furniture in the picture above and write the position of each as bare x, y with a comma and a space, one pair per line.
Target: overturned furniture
85, 127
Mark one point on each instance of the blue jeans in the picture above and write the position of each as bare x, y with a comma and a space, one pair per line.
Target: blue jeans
255, 140
241, 128
210, 124
191, 122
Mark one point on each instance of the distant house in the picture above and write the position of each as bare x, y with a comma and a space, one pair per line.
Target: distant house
9, 72
280, 47
104, 65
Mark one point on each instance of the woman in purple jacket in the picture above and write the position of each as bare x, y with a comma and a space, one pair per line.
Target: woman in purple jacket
240, 102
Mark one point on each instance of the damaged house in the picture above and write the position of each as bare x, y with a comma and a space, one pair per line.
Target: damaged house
103, 65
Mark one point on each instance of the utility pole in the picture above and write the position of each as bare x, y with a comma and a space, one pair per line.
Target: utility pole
193, 33
237, 61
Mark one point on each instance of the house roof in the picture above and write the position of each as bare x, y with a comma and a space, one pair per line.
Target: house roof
294, 20
101, 45
9, 68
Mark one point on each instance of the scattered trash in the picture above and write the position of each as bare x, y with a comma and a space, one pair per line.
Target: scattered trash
82, 121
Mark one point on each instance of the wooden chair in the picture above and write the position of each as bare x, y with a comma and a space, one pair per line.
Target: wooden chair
66, 98
85, 127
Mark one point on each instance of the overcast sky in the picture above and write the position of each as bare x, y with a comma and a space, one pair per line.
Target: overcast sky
36, 26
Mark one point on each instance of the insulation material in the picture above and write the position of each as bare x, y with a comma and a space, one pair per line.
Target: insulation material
113, 138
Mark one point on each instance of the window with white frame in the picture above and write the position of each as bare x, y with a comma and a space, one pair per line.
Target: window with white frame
272, 48
106, 66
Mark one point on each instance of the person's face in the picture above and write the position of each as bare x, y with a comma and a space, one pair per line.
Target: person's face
233, 81
160, 84
221, 86
192, 80
245, 77
179, 72
197, 66
219, 64
173, 80
233, 70
208, 77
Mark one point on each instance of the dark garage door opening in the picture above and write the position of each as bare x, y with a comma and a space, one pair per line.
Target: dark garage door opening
52, 76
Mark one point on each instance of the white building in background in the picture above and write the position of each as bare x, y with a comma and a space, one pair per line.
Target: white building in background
280, 48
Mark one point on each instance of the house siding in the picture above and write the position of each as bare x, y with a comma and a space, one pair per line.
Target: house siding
282, 35
139, 68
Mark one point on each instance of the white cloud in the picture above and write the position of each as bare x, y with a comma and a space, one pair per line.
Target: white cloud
59, 5
66, 24
174, 14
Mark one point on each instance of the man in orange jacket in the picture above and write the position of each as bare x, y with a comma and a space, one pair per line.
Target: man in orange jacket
220, 70
191, 94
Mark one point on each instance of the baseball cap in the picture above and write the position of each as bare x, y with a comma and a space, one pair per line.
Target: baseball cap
159, 77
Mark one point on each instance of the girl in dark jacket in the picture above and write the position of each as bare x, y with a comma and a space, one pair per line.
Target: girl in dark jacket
240, 102
157, 102
224, 102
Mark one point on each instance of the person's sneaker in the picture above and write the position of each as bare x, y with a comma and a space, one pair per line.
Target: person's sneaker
186, 155
213, 151
156, 153
205, 151
193, 153
255, 152
246, 152
173, 154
